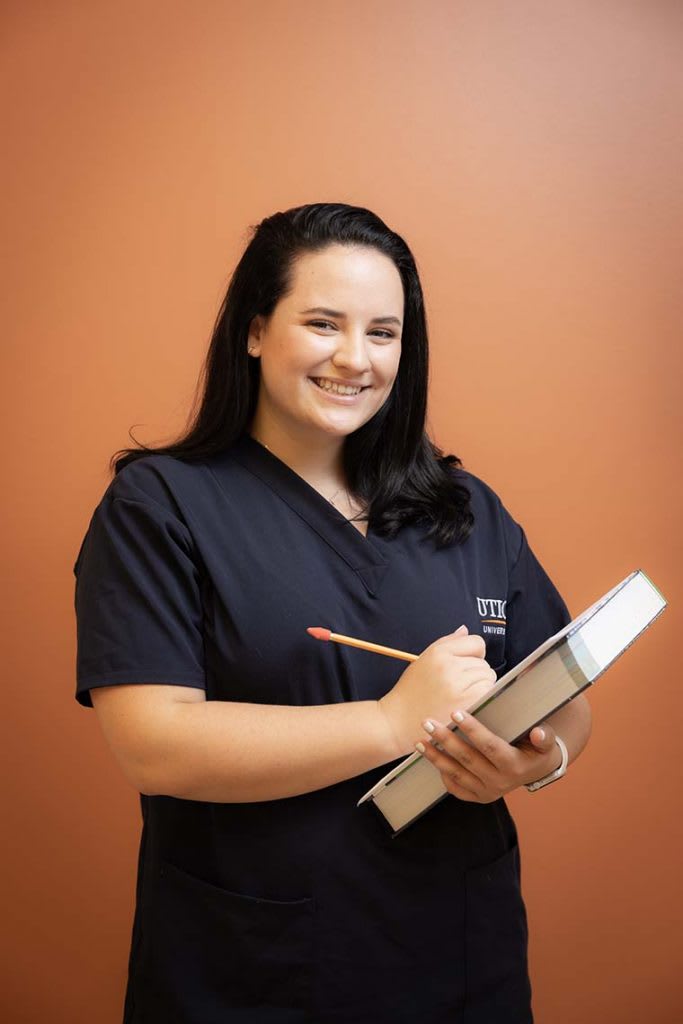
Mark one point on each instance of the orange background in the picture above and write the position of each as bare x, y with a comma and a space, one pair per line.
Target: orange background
530, 153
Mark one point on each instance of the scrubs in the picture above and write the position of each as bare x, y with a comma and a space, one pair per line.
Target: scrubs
305, 908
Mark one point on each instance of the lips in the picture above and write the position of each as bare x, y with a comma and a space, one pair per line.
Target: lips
345, 389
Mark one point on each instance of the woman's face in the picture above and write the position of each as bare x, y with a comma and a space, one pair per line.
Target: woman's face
308, 354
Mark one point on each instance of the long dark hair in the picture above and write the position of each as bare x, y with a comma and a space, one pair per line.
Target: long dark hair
390, 464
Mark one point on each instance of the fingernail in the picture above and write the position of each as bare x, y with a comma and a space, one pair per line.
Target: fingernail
458, 716
420, 747
542, 732
429, 726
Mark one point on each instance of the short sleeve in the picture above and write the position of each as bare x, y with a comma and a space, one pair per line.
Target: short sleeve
137, 594
535, 609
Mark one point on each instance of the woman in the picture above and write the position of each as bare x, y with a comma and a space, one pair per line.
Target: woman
306, 493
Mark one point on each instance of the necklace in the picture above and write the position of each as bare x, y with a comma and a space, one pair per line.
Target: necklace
331, 500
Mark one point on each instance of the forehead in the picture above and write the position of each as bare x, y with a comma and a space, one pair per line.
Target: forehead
348, 278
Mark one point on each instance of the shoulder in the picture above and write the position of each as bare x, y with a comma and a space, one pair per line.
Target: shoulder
492, 520
157, 479
146, 498
484, 499
481, 492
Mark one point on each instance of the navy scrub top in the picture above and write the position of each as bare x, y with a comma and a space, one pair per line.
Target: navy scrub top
305, 908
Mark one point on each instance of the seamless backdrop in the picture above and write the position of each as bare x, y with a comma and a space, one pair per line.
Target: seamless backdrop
530, 153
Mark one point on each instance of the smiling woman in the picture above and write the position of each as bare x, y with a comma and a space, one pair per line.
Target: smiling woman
344, 264
307, 492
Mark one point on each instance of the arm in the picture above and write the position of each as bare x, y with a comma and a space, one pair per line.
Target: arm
171, 741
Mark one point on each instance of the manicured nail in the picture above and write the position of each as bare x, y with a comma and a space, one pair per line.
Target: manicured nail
458, 716
429, 726
420, 747
542, 732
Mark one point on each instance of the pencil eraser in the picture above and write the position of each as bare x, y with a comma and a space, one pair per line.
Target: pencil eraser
319, 633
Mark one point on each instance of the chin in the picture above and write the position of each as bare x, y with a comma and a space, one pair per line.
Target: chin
342, 430
349, 424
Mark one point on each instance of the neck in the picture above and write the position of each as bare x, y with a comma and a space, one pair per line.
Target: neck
318, 460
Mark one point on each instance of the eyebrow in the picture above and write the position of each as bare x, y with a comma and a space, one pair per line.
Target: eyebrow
342, 316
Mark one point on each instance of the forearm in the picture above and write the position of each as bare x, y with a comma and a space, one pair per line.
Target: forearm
229, 752
572, 723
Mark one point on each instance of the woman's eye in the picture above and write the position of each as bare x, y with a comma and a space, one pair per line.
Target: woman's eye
325, 323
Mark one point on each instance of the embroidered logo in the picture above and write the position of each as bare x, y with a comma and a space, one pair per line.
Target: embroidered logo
492, 613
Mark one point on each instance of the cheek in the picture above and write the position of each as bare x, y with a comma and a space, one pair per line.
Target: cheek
389, 370
279, 365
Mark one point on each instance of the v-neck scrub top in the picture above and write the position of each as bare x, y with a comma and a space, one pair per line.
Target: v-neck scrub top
305, 909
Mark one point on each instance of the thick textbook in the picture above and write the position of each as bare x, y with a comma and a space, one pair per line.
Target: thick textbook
543, 682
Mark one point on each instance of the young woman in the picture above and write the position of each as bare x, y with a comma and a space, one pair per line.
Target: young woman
306, 493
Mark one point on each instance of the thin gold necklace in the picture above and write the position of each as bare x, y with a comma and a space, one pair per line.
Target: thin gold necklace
331, 500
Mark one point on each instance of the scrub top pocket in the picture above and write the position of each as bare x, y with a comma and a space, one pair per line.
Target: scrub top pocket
217, 956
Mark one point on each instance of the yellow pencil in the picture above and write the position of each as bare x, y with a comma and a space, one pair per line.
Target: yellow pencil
320, 633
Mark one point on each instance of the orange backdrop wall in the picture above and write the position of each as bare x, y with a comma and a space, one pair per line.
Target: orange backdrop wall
530, 153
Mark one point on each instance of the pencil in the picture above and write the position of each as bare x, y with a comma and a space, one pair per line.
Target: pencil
320, 633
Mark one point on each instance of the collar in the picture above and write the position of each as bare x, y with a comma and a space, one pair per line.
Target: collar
361, 553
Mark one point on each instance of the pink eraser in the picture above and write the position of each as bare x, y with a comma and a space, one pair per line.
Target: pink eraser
319, 632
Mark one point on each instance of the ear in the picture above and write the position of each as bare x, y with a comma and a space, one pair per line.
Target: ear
254, 336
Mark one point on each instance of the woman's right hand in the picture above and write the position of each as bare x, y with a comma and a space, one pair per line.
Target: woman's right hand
451, 673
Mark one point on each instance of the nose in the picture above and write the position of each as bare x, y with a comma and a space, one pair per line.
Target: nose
351, 352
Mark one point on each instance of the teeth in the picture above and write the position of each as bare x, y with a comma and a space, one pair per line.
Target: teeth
338, 389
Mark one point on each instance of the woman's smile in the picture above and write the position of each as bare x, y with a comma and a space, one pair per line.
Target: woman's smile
337, 390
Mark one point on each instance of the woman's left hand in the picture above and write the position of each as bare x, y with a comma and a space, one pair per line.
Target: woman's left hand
487, 768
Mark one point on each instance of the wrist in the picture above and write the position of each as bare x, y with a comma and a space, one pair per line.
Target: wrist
392, 744
554, 773
550, 762
555, 759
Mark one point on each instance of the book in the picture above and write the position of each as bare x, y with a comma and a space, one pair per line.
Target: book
552, 675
